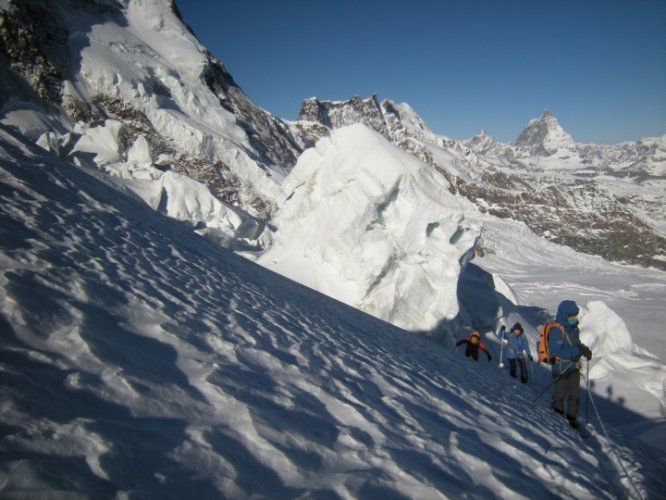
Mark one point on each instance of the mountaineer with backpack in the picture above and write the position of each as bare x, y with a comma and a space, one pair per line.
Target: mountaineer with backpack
473, 345
518, 348
560, 346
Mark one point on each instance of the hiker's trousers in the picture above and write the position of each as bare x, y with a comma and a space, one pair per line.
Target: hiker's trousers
567, 385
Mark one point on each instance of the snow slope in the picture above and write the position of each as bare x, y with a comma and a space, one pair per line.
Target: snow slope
621, 310
140, 360
357, 224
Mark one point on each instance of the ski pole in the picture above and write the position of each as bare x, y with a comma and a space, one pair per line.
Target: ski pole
501, 339
526, 359
587, 389
551, 383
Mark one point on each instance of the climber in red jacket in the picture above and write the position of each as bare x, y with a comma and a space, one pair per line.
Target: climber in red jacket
473, 345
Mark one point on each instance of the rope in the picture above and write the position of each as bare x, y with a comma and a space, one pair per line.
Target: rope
611, 444
552, 382
526, 358
603, 428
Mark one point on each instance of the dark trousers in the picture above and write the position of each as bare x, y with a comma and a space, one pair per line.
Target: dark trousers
567, 384
472, 351
523, 368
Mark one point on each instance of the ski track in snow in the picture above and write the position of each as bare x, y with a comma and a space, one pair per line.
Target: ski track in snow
139, 359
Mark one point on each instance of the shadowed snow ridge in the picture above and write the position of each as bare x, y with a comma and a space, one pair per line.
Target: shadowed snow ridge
139, 359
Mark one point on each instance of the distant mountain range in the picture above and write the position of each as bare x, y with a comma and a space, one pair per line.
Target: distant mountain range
598, 199
77, 78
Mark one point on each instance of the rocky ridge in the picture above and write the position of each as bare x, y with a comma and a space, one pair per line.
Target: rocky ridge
603, 200
598, 199
36, 37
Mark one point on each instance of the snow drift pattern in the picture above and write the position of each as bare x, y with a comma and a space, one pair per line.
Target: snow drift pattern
139, 360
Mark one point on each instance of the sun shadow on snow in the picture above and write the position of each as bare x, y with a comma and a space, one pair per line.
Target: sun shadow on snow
138, 356
482, 306
41, 305
445, 476
305, 416
253, 477
70, 477
139, 458
136, 449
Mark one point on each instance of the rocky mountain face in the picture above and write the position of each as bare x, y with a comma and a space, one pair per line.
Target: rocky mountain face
601, 200
44, 71
398, 123
545, 137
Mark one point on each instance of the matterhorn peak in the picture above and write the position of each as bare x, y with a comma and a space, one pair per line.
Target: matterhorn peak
545, 136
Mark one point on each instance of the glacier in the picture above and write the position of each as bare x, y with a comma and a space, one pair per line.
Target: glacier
139, 358
372, 226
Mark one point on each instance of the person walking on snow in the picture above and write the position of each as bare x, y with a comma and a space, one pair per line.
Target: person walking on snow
566, 350
473, 345
518, 348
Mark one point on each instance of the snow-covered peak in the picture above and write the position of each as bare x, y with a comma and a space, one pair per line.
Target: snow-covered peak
545, 136
405, 122
136, 64
481, 143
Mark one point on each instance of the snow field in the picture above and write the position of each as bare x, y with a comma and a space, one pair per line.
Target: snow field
171, 365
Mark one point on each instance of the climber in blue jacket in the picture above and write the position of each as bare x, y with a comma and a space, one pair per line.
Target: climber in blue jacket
518, 350
566, 349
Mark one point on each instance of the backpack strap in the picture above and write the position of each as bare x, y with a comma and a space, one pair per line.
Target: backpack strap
558, 325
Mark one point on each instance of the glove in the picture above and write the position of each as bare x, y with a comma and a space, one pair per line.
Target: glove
585, 351
530, 357
490, 358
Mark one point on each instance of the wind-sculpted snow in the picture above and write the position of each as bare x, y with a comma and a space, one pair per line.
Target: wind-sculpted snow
374, 227
140, 360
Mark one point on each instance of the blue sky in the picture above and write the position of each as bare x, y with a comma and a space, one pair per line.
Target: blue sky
598, 65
